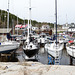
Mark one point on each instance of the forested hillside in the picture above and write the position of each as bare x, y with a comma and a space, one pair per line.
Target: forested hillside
13, 20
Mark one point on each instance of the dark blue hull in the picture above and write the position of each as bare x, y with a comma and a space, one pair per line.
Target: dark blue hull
31, 53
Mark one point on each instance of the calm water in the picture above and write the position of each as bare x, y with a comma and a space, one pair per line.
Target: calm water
41, 57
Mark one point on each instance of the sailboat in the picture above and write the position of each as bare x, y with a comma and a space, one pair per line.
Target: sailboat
54, 48
8, 45
71, 48
30, 46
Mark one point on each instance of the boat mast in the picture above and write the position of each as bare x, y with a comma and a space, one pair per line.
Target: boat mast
24, 20
66, 20
13, 25
17, 24
54, 27
29, 19
8, 17
28, 25
30, 14
56, 19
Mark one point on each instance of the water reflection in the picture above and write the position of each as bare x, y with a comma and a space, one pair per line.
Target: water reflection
41, 57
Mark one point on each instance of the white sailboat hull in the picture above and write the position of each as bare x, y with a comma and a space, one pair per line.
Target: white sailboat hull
71, 51
9, 46
52, 50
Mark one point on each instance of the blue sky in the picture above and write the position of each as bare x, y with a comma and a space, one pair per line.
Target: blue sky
42, 10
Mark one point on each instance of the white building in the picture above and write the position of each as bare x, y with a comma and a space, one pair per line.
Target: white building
65, 26
71, 28
17, 27
35, 28
45, 27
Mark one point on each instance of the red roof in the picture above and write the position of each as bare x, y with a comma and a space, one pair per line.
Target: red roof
23, 26
18, 26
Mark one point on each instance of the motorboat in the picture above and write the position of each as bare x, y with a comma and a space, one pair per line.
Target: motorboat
43, 38
63, 39
37, 37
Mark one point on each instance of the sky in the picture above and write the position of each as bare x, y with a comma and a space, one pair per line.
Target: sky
42, 10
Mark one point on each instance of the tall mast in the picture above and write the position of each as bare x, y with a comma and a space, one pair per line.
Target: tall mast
66, 20
0, 14
17, 24
13, 25
8, 17
56, 18
28, 24
24, 21
30, 14
54, 27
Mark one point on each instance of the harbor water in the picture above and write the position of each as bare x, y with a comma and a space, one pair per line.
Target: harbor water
41, 57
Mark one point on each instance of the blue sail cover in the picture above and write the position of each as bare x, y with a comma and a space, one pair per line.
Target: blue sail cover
64, 36
54, 37
8, 36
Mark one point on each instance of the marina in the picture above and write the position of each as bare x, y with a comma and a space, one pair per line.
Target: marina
42, 44
29, 46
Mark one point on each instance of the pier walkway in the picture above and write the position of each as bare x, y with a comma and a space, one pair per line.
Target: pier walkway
34, 68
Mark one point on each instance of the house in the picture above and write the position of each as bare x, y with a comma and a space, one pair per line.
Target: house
23, 27
45, 28
65, 26
71, 29
17, 27
35, 28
